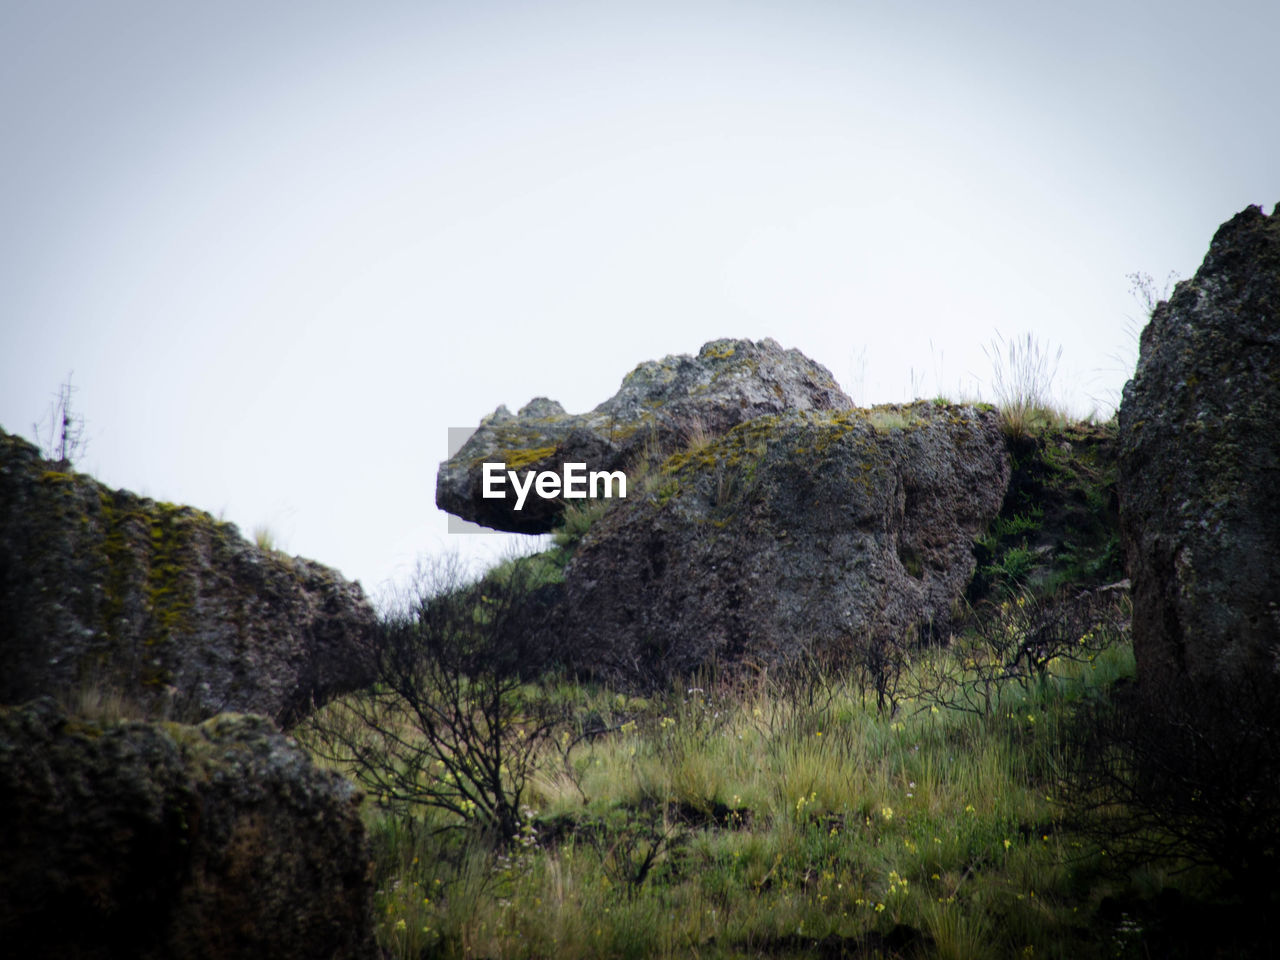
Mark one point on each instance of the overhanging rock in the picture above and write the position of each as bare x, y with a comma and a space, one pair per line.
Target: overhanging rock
661, 404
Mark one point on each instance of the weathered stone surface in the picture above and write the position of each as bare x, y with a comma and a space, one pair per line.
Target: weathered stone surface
1200, 467
165, 603
803, 531
143, 840
660, 404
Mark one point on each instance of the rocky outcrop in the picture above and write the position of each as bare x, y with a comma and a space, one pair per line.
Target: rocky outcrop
128, 839
1199, 465
661, 405
813, 531
164, 604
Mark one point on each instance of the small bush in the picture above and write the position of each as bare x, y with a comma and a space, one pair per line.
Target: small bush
1187, 776
60, 434
453, 723
1017, 642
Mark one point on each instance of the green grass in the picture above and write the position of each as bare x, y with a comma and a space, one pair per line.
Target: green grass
578, 518
765, 820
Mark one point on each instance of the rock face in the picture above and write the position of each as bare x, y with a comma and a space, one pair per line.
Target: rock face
661, 404
127, 839
166, 604
1200, 464
835, 529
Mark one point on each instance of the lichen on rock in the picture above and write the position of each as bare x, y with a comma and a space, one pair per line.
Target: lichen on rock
796, 532
163, 603
1199, 462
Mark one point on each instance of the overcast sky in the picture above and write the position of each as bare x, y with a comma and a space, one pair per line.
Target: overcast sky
285, 246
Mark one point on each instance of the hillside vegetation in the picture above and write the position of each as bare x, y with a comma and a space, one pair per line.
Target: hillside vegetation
928, 800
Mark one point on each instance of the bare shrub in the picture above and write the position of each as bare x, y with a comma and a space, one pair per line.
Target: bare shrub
455, 720
60, 434
1187, 776
1015, 643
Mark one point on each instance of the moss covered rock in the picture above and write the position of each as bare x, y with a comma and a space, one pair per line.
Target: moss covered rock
1200, 464
150, 840
816, 531
164, 604
660, 405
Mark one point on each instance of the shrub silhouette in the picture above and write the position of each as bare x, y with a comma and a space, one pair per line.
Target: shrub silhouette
453, 721
1189, 776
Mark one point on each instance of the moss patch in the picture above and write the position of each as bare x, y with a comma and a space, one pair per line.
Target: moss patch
517, 459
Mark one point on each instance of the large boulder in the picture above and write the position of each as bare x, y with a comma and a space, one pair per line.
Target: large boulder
1199, 468
661, 404
822, 531
163, 604
145, 840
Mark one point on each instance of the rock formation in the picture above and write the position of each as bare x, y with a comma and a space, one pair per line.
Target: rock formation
163, 603
1199, 466
818, 530
128, 839
661, 404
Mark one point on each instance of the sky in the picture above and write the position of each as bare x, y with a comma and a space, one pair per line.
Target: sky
281, 248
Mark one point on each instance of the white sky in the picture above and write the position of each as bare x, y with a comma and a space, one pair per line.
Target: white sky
285, 246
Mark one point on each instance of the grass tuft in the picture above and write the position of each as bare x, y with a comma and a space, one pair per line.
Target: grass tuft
1023, 371
265, 538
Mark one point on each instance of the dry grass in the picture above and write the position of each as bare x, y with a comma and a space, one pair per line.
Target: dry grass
1023, 371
